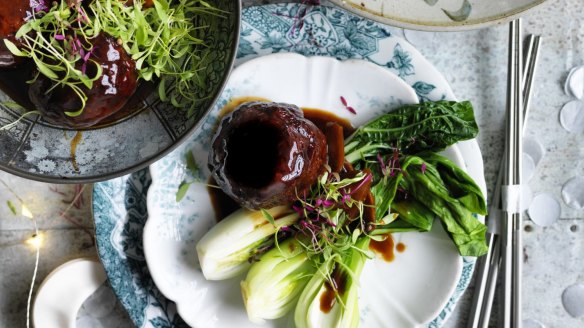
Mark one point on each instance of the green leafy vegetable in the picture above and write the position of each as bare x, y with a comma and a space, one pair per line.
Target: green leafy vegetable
426, 185
225, 251
415, 213
413, 128
429, 188
460, 185
273, 284
339, 278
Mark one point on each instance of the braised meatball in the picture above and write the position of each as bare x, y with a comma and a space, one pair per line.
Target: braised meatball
265, 154
108, 95
12, 15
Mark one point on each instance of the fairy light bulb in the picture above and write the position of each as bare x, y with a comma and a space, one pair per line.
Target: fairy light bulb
36, 240
26, 212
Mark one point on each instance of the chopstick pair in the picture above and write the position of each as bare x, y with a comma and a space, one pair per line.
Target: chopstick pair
506, 249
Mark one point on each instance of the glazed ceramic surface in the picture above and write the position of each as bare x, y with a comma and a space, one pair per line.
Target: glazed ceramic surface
439, 15
422, 278
38, 150
120, 204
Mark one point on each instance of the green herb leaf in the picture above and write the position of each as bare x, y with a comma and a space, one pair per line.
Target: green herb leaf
161, 11
45, 70
13, 48
268, 217
182, 190
162, 90
23, 30
192, 163
11, 207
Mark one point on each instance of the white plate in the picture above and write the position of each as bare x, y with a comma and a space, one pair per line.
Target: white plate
408, 292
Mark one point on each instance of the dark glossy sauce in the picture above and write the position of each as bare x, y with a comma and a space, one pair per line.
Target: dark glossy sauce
384, 248
12, 15
320, 118
400, 247
14, 77
236, 102
13, 84
74, 142
337, 286
222, 204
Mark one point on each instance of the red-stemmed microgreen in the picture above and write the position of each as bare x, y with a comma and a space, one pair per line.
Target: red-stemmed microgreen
43, 38
324, 223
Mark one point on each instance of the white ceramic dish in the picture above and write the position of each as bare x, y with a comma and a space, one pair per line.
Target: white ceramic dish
408, 292
440, 15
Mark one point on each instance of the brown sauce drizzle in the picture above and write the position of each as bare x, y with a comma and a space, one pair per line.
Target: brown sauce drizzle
13, 82
335, 287
222, 204
321, 118
336, 146
74, 142
384, 248
400, 247
236, 102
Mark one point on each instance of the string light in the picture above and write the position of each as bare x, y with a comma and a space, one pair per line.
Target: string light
36, 240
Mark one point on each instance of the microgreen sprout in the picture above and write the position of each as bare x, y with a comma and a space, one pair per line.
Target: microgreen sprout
165, 41
325, 227
54, 39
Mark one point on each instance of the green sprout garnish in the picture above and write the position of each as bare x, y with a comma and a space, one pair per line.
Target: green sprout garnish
325, 219
166, 42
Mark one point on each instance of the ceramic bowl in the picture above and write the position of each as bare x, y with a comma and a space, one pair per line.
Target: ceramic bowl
439, 15
38, 150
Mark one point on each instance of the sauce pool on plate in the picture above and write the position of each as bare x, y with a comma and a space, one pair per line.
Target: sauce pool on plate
386, 248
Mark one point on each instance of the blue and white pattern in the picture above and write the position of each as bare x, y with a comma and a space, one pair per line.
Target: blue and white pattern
119, 205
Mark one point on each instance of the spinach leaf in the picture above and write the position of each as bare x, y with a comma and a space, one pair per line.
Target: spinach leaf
460, 185
467, 232
414, 128
415, 213
398, 148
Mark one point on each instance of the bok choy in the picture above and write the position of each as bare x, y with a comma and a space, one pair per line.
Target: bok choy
224, 252
274, 283
412, 180
331, 297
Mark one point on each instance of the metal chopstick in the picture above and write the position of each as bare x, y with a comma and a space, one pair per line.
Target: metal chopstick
488, 265
511, 243
530, 68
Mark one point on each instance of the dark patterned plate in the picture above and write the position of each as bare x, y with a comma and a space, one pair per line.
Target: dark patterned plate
40, 151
